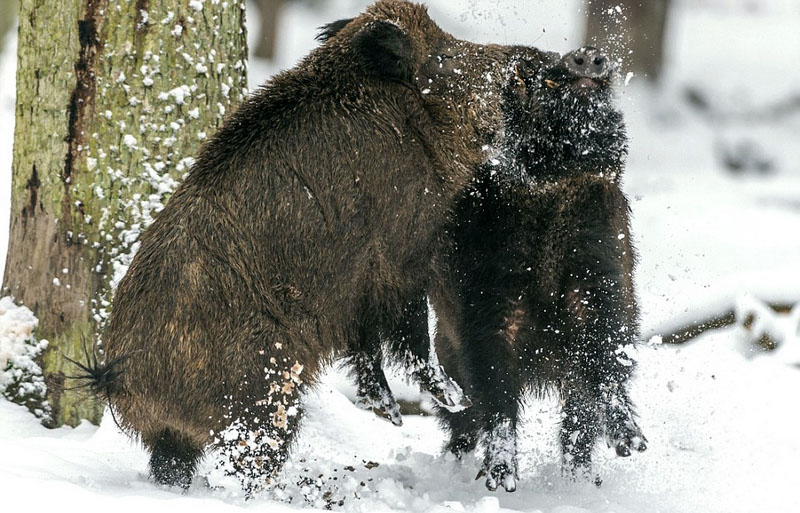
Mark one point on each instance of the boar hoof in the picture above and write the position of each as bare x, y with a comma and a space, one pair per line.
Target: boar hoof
385, 408
501, 475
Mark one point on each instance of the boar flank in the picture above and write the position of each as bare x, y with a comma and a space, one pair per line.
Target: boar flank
315, 210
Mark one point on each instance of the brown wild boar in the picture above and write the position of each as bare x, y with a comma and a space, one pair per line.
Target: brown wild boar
311, 217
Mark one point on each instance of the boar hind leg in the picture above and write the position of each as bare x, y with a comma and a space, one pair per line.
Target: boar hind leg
464, 429
373, 392
500, 460
497, 382
611, 330
580, 427
255, 446
410, 343
622, 431
173, 458
263, 415
596, 392
593, 405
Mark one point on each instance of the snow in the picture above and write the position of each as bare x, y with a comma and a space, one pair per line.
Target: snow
719, 412
16, 330
130, 142
179, 94
20, 374
763, 326
720, 437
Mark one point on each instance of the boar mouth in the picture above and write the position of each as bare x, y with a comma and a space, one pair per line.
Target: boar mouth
585, 83
577, 84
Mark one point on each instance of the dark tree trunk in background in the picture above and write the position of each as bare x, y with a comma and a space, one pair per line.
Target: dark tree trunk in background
113, 100
269, 11
631, 30
8, 17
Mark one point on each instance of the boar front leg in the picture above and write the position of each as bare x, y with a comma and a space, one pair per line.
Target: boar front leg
410, 344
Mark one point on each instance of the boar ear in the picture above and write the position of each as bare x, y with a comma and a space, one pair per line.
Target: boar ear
331, 29
385, 50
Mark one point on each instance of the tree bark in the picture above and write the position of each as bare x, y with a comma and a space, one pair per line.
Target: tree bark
113, 99
269, 10
631, 30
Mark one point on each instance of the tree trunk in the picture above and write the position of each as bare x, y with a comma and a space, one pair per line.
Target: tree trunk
113, 99
631, 30
269, 10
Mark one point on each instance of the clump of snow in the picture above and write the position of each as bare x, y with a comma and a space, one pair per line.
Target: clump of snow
179, 94
130, 142
21, 377
762, 328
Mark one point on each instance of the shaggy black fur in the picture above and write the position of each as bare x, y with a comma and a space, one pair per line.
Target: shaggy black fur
329, 30
540, 290
174, 459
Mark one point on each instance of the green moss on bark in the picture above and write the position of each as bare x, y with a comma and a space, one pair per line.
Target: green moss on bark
114, 98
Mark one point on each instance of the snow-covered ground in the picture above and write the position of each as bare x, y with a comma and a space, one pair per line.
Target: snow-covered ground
721, 416
722, 430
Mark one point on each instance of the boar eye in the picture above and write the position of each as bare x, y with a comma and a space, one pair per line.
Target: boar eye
386, 50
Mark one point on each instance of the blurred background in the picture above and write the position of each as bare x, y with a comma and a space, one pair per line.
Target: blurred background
711, 94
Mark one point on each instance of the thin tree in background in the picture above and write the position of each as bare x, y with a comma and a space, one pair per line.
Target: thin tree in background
269, 11
113, 99
632, 30
8, 15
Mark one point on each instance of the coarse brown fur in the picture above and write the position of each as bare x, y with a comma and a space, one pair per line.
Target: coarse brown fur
315, 210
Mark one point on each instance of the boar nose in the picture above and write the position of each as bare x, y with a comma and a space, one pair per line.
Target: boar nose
587, 62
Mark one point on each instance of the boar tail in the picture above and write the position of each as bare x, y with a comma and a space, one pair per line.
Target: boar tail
99, 378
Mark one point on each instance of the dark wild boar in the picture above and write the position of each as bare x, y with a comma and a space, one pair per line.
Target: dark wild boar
539, 293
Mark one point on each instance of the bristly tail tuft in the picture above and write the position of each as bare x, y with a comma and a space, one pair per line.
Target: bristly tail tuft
99, 378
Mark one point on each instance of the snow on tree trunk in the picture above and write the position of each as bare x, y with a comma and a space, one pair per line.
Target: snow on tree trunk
113, 99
